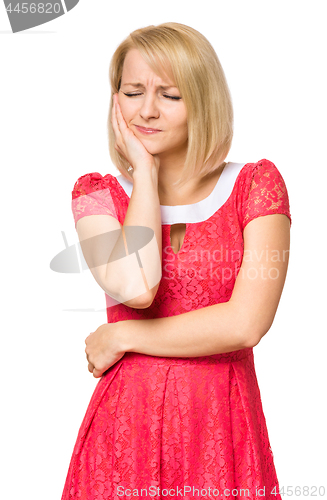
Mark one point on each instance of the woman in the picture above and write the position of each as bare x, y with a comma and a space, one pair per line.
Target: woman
192, 253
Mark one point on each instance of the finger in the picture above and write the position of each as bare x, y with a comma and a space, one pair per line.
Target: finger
90, 367
114, 123
113, 114
121, 123
119, 140
88, 337
120, 119
97, 373
117, 148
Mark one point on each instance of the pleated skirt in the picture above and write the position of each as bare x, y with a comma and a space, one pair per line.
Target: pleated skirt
190, 428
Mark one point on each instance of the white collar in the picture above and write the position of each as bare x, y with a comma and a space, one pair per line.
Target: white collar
202, 210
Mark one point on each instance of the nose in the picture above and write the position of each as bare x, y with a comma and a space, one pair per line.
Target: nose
149, 108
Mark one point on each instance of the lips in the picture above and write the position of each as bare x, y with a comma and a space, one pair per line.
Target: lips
147, 131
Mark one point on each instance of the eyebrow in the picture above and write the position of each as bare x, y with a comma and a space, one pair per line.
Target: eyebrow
140, 85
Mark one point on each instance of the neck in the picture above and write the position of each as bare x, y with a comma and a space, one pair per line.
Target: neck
170, 171
192, 191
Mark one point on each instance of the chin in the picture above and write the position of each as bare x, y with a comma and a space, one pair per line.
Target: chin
153, 149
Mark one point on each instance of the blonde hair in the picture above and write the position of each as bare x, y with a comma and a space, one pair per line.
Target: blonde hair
197, 73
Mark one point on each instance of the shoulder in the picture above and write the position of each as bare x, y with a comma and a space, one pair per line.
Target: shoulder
262, 191
260, 167
91, 182
262, 172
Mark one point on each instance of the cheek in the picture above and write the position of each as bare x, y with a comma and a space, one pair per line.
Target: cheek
181, 128
126, 109
180, 121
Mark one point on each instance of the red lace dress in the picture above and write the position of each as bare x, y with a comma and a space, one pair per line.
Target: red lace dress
168, 427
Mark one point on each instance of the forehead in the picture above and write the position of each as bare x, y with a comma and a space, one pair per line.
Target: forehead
136, 69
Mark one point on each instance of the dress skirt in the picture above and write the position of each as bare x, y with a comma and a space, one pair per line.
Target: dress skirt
174, 428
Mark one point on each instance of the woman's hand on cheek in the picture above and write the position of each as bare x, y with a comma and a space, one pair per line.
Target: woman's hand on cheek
127, 144
103, 348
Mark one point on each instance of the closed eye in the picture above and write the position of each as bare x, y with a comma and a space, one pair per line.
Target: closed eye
173, 97
131, 95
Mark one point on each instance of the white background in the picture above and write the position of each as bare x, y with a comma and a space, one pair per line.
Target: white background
54, 102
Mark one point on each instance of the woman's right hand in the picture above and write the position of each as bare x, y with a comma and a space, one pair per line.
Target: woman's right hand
128, 145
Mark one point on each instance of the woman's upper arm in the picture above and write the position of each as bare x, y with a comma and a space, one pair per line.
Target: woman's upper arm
260, 281
96, 201
98, 235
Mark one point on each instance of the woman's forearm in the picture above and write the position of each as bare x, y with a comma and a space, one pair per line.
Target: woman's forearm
204, 332
143, 211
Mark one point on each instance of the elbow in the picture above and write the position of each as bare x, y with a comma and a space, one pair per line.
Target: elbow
141, 302
130, 296
144, 300
130, 287
253, 335
250, 340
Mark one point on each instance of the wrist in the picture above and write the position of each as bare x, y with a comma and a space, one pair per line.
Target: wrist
126, 337
146, 173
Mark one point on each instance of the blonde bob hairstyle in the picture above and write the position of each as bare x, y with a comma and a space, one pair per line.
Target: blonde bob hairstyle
189, 60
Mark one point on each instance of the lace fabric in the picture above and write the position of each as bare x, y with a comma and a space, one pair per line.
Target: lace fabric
267, 193
175, 423
96, 195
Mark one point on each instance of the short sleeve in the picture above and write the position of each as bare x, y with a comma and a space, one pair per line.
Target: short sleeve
267, 193
94, 195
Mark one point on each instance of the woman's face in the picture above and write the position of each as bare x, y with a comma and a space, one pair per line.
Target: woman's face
152, 108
